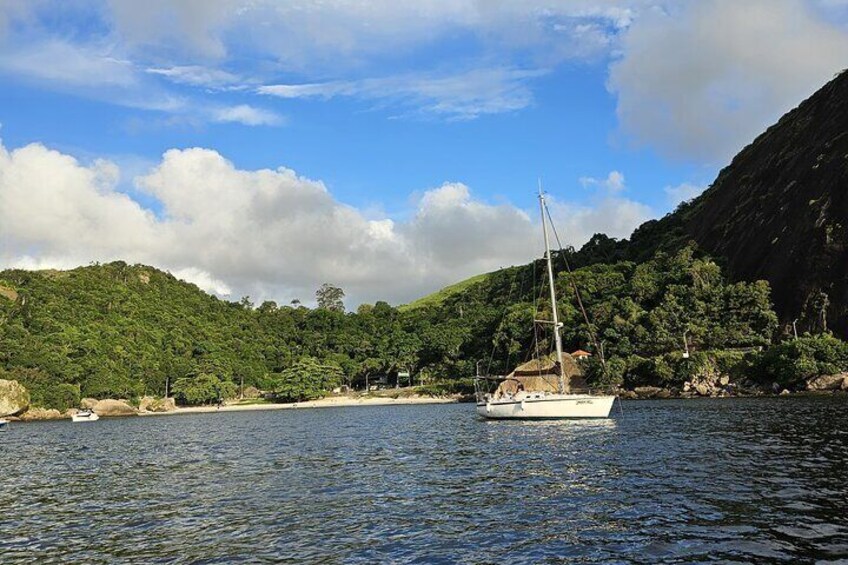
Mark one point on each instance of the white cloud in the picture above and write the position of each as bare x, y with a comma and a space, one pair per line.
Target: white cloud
700, 80
694, 79
197, 75
92, 72
462, 95
682, 192
68, 64
614, 183
267, 233
203, 280
614, 216
302, 33
247, 115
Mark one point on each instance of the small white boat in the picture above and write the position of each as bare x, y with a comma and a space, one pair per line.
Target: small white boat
85, 416
4, 424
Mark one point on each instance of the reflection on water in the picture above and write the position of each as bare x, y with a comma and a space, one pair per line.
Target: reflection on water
676, 481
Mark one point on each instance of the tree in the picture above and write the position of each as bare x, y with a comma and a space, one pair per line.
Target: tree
203, 388
330, 297
307, 379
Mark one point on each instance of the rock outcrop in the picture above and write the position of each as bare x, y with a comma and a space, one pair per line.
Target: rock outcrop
647, 391
41, 414
111, 407
252, 392
14, 398
88, 403
838, 381
153, 404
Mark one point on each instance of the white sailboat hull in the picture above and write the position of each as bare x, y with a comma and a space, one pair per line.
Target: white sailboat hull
548, 406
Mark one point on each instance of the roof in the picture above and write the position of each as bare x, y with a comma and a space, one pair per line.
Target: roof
543, 375
581, 353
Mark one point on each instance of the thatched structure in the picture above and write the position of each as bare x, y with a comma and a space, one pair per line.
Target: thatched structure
542, 375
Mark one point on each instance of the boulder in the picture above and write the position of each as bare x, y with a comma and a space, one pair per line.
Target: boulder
14, 398
828, 382
41, 414
628, 395
702, 389
646, 391
152, 404
784, 392
724, 380
111, 407
664, 393
687, 386
88, 403
252, 392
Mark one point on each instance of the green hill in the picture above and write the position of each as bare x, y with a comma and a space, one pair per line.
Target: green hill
443, 294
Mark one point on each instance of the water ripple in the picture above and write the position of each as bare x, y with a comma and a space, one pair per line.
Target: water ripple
747, 480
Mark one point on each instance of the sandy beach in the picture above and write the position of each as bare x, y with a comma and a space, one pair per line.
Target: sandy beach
320, 403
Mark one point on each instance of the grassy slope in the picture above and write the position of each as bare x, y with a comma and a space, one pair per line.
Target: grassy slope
441, 295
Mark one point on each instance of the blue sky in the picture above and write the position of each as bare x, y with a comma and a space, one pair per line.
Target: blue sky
266, 147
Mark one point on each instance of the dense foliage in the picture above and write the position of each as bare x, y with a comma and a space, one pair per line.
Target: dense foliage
306, 379
117, 330
808, 356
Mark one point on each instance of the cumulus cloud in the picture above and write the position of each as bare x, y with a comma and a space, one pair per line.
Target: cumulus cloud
611, 213
702, 79
616, 217
614, 182
267, 233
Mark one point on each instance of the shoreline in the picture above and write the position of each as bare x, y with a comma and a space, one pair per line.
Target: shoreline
347, 401
337, 401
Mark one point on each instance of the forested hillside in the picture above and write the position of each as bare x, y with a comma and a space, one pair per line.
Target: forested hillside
120, 330
778, 212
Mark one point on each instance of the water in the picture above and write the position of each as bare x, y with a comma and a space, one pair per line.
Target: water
728, 480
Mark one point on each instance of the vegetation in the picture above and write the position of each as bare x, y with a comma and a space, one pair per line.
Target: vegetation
203, 388
307, 379
123, 331
330, 297
808, 356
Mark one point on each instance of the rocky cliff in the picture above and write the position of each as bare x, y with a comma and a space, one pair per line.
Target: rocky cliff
779, 212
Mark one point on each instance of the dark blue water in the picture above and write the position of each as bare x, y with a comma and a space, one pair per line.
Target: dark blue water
761, 480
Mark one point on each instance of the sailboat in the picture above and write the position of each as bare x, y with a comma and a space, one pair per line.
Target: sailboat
513, 402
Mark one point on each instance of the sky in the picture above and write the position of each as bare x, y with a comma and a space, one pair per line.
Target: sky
262, 148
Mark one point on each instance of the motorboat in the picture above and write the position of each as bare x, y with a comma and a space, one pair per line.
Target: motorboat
85, 416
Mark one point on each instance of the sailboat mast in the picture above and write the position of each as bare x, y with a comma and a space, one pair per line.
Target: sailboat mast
557, 337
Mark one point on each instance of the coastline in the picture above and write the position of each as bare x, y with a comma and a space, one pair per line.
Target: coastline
328, 402
642, 393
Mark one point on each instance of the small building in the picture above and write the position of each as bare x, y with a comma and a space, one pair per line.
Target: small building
581, 355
